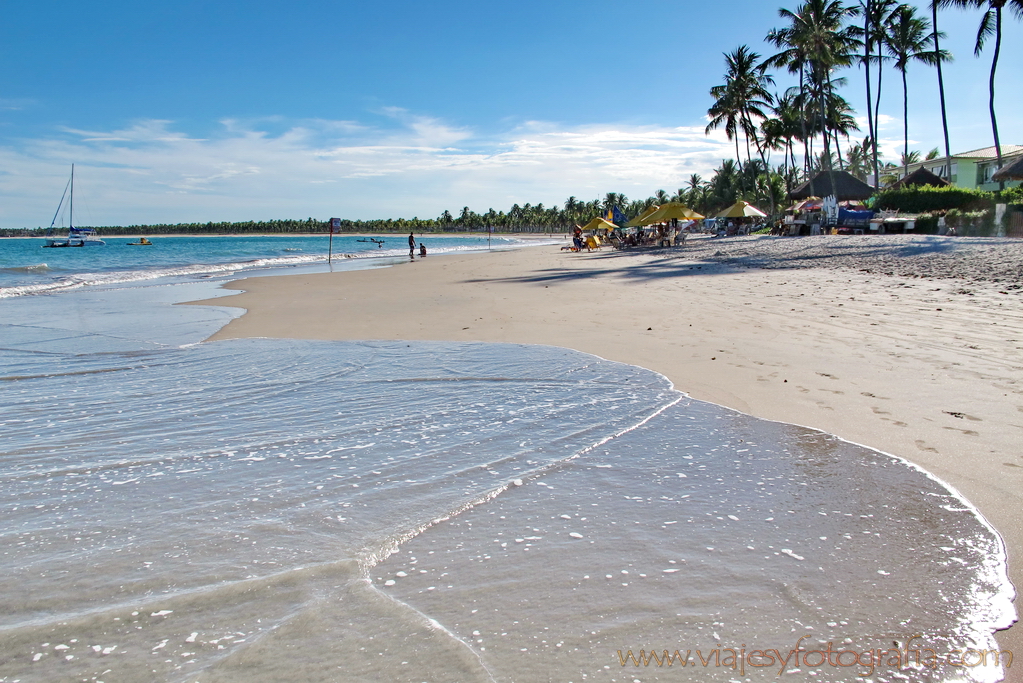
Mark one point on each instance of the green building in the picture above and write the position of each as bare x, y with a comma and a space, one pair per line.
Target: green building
973, 169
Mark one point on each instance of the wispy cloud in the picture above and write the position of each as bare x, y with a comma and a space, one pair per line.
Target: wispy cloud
241, 169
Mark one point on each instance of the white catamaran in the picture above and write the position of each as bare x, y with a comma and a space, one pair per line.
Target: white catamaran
76, 237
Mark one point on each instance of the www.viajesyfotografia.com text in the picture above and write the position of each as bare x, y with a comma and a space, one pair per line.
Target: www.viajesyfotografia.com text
912, 655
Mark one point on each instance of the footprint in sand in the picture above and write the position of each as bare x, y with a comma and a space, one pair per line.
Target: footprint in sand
967, 432
878, 411
922, 445
885, 398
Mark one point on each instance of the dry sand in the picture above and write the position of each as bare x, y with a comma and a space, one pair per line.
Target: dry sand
910, 345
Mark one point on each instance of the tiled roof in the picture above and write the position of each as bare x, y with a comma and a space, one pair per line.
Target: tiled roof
990, 152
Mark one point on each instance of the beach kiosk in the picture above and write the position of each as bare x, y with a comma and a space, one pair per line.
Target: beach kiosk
844, 188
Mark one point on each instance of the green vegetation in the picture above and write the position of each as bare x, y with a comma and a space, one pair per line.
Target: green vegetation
921, 199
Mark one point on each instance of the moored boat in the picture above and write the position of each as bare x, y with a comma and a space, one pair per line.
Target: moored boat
76, 237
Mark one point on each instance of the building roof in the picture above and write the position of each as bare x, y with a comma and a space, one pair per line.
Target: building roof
921, 176
989, 152
1011, 171
848, 185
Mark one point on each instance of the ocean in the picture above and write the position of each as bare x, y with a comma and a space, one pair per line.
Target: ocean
28, 268
285, 510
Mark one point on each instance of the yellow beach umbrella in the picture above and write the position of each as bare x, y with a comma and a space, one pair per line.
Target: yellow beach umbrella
742, 209
669, 211
638, 220
599, 224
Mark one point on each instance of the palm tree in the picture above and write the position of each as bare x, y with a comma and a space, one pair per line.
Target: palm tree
724, 112
817, 43
697, 190
877, 16
793, 56
858, 158
867, 8
941, 90
990, 23
742, 97
746, 96
841, 120
909, 39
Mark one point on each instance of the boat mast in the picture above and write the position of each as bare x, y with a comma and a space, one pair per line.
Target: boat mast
71, 213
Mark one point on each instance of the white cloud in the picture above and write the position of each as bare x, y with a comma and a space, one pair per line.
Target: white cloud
152, 172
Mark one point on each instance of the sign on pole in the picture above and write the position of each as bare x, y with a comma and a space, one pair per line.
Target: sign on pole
335, 226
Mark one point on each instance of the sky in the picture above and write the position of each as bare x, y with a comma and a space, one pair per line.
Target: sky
189, 111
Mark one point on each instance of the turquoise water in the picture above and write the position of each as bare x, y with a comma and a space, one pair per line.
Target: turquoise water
28, 268
270, 510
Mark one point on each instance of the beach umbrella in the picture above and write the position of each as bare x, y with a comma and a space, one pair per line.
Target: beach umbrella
669, 211
742, 209
638, 220
599, 224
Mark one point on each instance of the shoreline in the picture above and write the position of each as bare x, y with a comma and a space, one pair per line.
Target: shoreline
917, 367
516, 235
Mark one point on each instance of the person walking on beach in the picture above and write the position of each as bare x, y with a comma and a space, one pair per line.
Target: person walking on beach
412, 245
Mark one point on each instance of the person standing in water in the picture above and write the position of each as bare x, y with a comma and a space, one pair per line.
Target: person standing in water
411, 244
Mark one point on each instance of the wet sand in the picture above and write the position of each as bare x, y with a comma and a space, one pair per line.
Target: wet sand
913, 346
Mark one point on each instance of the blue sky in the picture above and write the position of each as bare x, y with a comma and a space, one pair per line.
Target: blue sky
192, 111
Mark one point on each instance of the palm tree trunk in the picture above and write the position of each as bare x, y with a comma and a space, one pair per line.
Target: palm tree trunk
825, 88
802, 123
866, 71
991, 88
905, 123
877, 108
941, 92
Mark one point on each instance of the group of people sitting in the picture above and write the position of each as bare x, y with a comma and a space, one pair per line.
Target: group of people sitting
661, 235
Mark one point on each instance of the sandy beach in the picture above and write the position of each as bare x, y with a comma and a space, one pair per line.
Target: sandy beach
911, 345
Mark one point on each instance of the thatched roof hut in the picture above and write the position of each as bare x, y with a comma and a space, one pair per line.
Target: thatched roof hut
1011, 171
848, 186
921, 176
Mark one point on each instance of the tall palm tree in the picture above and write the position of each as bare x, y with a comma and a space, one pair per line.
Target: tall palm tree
817, 43
793, 56
742, 97
991, 23
746, 88
724, 112
867, 9
941, 90
877, 17
909, 39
